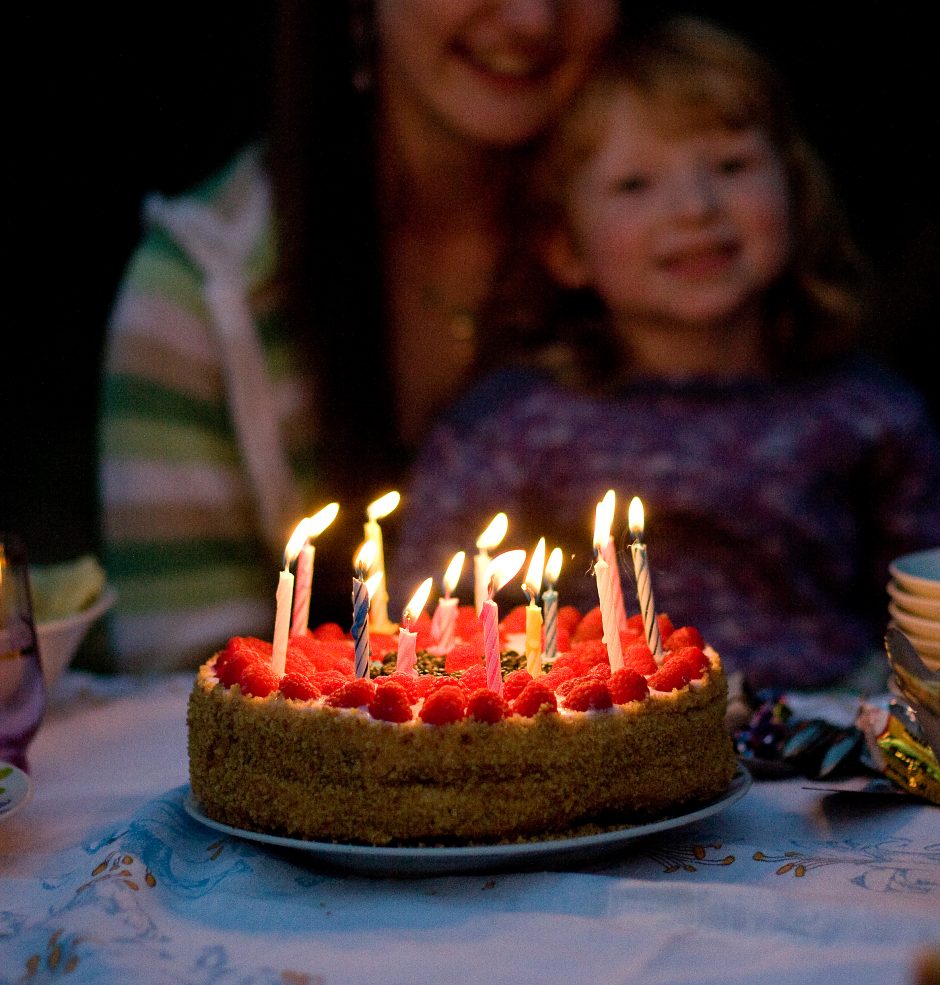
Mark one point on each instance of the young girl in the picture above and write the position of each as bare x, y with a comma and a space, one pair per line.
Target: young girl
698, 353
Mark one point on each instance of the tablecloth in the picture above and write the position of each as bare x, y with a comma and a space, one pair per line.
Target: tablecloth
105, 878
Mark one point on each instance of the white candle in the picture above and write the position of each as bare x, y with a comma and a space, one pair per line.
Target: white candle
609, 552
303, 579
550, 604
407, 640
533, 614
604, 591
283, 599
360, 605
373, 532
490, 538
444, 621
501, 570
644, 586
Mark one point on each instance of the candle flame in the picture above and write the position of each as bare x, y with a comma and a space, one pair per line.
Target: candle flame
296, 540
503, 568
603, 518
418, 601
383, 505
320, 521
494, 533
553, 568
533, 578
452, 574
635, 516
365, 556
373, 582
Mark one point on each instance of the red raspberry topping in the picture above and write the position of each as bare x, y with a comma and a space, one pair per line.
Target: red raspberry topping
462, 656
571, 660
557, 676
474, 678
629, 637
407, 681
446, 704
670, 676
514, 621
353, 694
391, 703
422, 626
229, 671
297, 660
298, 687
247, 645
345, 667
590, 627
589, 696
562, 639
568, 618
638, 657
536, 697
259, 680
485, 705
635, 624
383, 644
684, 636
591, 652
329, 631
565, 688
467, 623
600, 671
515, 683
328, 681
627, 685
692, 658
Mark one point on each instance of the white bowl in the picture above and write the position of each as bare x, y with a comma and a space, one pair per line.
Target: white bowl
59, 639
926, 629
918, 573
916, 605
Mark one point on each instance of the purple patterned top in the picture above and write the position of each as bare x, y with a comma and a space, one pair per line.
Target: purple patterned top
772, 511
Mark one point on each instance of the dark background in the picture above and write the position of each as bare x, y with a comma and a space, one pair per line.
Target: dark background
112, 106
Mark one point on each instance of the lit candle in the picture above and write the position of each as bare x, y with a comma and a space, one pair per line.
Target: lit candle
604, 590
373, 532
444, 621
550, 603
609, 551
490, 538
360, 602
533, 614
644, 587
408, 640
303, 579
501, 570
283, 598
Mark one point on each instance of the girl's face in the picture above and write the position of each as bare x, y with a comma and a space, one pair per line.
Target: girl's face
492, 71
677, 225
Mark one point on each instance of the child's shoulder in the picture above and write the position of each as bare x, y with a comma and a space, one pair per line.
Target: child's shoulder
494, 393
865, 384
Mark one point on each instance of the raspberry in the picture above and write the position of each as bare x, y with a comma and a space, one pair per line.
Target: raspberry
629, 636
514, 621
353, 694
444, 705
564, 689
591, 652
515, 683
589, 696
485, 705
568, 618
692, 659
536, 697
298, 687
391, 703
638, 657
684, 636
557, 676
562, 639
329, 631
666, 628
571, 660
229, 671
474, 678
409, 683
590, 627
670, 676
258, 680
248, 645
627, 685
297, 660
328, 681
382, 644
600, 671
462, 656
467, 622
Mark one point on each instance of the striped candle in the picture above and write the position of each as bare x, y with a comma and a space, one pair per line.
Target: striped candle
644, 586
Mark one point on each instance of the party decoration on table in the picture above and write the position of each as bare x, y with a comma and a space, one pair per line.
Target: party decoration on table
444, 620
609, 553
644, 587
303, 579
407, 639
375, 511
501, 569
284, 598
65, 588
605, 592
490, 539
550, 603
531, 587
361, 598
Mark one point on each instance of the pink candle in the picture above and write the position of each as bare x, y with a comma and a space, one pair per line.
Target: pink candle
407, 640
303, 579
501, 569
444, 620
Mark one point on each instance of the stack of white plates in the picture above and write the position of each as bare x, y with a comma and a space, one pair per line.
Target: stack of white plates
914, 606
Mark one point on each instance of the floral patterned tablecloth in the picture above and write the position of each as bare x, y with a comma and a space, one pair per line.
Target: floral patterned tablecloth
105, 878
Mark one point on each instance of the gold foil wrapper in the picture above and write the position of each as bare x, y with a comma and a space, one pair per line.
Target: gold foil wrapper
908, 762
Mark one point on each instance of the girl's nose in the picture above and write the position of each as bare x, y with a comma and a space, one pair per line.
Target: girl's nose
696, 196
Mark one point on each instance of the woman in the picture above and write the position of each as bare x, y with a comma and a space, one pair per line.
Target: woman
285, 334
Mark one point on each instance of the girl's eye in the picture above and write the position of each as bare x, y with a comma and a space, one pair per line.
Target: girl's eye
734, 164
631, 185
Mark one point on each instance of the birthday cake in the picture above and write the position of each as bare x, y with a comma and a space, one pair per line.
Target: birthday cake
436, 756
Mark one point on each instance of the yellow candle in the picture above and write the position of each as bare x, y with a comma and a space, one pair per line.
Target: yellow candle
533, 614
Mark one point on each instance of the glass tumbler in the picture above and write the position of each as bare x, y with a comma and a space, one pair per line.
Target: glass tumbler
22, 687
